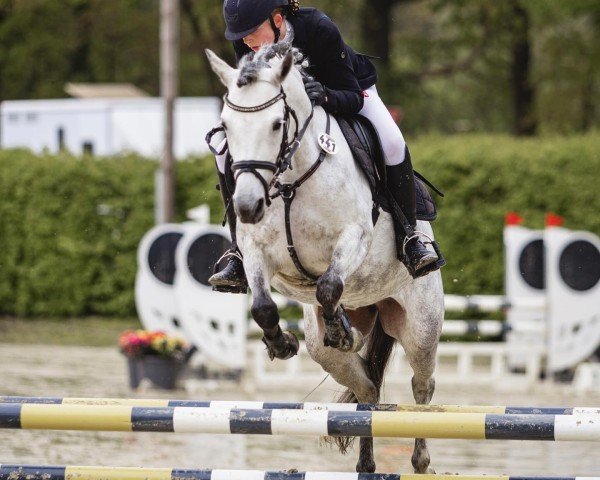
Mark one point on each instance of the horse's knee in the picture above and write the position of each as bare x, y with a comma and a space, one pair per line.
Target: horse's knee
329, 289
265, 313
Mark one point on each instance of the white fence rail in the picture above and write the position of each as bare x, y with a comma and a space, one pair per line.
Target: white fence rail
461, 363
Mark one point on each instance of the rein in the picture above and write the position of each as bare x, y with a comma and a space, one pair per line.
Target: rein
287, 191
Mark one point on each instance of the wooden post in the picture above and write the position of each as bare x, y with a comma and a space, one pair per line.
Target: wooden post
169, 80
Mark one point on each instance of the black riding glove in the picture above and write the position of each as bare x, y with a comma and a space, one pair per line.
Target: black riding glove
315, 90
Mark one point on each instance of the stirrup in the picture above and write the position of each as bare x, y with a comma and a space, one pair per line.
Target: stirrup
232, 252
241, 288
229, 289
432, 267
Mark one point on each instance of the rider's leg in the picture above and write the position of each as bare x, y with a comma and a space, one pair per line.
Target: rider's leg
401, 183
400, 178
232, 278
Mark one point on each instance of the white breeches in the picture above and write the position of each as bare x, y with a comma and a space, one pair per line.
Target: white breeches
391, 137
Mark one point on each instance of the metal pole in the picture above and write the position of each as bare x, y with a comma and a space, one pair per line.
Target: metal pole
169, 43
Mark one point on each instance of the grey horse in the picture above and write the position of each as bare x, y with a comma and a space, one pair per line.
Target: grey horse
341, 256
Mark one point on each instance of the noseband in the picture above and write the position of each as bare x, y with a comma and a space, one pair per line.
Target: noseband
286, 150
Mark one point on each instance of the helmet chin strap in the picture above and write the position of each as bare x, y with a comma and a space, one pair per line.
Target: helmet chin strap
276, 30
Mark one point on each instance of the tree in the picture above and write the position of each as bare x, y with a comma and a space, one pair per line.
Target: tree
523, 90
48, 43
203, 27
376, 27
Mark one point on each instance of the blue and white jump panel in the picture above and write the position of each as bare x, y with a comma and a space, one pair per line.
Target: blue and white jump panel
33, 472
481, 426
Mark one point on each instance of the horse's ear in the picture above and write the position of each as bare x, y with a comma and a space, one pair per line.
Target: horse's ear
225, 73
286, 66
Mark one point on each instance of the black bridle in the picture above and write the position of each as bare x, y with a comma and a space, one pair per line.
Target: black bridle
287, 148
287, 191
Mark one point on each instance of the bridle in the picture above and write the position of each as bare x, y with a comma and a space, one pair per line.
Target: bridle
287, 191
287, 148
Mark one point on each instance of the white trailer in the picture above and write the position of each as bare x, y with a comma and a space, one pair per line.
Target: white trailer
106, 126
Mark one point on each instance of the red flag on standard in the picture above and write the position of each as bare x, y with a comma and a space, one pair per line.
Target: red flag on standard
513, 218
554, 220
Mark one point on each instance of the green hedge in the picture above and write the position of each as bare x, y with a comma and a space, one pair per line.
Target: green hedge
486, 176
70, 227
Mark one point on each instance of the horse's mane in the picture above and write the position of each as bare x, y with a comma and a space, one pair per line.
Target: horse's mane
252, 63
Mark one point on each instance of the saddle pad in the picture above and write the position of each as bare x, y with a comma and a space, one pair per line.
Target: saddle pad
368, 154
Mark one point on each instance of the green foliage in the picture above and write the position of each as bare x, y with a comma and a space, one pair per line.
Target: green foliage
46, 44
71, 226
450, 67
484, 177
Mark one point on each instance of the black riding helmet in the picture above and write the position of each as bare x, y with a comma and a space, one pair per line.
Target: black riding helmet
243, 17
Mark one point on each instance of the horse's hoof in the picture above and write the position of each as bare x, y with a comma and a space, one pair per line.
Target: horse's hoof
358, 341
427, 471
367, 466
284, 348
352, 342
337, 342
292, 343
420, 459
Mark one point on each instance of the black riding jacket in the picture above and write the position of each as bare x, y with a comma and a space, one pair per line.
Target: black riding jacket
344, 73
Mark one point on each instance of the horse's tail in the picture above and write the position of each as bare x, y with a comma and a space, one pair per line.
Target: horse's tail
379, 350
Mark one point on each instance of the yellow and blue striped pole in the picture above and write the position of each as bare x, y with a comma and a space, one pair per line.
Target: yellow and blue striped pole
256, 405
483, 426
32, 472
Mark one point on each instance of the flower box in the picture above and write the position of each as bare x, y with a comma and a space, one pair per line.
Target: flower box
153, 355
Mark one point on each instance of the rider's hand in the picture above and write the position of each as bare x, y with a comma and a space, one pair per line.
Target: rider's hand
315, 90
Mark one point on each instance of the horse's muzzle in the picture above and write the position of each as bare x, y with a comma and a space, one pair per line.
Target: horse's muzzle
250, 212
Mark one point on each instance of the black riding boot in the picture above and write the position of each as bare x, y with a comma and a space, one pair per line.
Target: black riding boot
401, 184
232, 278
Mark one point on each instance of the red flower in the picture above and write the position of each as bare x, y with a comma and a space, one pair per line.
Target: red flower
135, 343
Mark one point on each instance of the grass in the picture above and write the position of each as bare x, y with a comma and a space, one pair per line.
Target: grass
90, 331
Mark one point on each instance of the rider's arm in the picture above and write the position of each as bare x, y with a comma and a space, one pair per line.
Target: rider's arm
333, 68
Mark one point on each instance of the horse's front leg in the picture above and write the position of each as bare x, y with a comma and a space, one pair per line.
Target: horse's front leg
282, 345
348, 254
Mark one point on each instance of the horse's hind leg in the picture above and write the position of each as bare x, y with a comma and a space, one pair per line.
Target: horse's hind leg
282, 345
419, 335
347, 369
348, 254
423, 388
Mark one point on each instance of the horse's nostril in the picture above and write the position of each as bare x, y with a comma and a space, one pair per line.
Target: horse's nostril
259, 206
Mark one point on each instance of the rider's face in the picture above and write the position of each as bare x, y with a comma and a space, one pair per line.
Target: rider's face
264, 34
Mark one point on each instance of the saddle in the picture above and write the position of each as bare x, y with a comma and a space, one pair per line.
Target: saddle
366, 148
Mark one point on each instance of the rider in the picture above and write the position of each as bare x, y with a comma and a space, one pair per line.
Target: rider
344, 82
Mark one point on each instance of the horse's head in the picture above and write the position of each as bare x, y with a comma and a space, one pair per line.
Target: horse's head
265, 95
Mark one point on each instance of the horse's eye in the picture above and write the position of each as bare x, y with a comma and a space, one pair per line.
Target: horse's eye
276, 126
